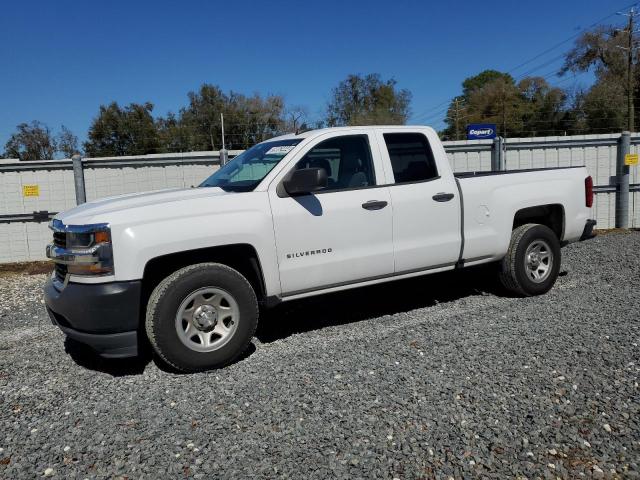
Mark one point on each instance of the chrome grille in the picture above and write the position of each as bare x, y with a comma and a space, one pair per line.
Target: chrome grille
60, 272
60, 239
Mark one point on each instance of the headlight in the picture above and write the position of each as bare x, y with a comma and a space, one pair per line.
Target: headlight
97, 246
83, 249
88, 239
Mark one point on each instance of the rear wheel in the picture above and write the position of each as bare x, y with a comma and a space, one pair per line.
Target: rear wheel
201, 317
532, 262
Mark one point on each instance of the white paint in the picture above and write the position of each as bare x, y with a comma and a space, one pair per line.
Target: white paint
413, 232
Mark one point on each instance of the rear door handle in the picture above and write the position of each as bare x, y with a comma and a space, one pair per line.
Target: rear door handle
443, 197
374, 204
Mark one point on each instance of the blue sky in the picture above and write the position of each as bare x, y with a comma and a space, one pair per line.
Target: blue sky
62, 59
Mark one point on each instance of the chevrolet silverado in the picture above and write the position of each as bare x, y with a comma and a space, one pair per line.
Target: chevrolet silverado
188, 270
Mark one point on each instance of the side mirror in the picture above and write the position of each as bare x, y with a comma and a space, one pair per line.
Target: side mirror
305, 180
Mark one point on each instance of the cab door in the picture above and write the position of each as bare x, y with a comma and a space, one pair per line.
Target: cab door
339, 235
426, 202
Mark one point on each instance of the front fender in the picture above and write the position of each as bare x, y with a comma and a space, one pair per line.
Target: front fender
155, 234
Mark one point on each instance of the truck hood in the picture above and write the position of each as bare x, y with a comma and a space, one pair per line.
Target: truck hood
98, 211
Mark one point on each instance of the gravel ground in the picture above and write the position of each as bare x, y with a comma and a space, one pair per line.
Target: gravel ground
437, 377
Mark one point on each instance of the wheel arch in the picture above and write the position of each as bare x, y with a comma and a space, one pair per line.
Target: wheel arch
550, 215
241, 257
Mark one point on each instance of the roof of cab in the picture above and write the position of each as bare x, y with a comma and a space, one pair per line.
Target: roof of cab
319, 131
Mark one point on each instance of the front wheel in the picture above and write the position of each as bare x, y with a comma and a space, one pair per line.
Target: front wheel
532, 262
201, 317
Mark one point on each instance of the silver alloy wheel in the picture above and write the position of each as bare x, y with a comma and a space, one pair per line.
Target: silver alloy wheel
207, 319
538, 261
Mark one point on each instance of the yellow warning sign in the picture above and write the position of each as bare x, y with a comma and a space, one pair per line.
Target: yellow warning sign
631, 159
31, 190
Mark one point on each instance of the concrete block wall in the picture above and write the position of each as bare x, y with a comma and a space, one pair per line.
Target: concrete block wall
596, 152
104, 177
21, 241
465, 157
56, 186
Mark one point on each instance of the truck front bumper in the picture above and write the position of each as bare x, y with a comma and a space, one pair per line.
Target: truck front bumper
103, 316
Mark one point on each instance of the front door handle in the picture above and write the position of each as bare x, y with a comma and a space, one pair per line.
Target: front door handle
374, 204
443, 197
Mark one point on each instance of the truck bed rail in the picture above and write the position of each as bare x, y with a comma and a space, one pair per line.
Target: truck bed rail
506, 172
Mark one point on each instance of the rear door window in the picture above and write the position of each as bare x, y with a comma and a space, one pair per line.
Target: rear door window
411, 157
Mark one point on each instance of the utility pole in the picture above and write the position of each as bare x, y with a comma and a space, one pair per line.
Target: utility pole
504, 112
630, 112
456, 121
224, 154
630, 49
222, 127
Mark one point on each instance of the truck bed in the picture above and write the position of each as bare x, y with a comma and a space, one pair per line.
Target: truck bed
490, 204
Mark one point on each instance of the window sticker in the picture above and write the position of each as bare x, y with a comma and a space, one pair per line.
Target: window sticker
281, 150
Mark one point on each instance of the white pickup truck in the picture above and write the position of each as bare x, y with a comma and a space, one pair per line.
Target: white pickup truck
303, 214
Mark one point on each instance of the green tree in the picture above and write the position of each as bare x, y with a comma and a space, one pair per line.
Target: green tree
477, 82
296, 118
529, 108
368, 100
31, 141
173, 134
489, 97
248, 120
598, 49
544, 111
118, 131
67, 142
200, 120
603, 107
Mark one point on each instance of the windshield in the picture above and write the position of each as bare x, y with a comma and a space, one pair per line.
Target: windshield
246, 171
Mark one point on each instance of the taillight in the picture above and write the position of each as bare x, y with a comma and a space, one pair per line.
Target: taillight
588, 191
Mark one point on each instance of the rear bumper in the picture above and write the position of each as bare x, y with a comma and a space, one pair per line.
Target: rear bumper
105, 316
587, 233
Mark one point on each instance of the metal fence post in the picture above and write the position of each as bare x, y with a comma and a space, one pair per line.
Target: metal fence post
497, 155
224, 157
622, 181
78, 178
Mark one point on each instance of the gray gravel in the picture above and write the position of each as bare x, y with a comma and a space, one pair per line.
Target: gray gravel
430, 378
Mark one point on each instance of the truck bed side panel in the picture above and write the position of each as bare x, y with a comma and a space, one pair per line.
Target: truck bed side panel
490, 204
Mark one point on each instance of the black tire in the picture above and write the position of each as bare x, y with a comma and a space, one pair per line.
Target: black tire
514, 274
167, 299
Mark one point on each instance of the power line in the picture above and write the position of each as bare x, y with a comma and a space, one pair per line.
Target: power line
446, 109
547, 63
545, 77
575, 35
419, 118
